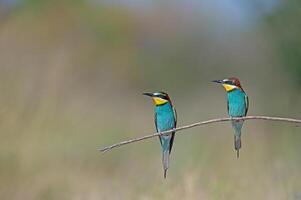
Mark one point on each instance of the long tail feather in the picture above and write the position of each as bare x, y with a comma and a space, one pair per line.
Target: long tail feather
165, 162
237, 145
237, 125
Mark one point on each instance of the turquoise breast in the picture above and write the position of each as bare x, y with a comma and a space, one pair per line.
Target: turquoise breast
165, 119
236, 103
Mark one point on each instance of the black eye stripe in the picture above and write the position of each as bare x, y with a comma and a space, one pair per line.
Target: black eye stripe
229, 82
161, 96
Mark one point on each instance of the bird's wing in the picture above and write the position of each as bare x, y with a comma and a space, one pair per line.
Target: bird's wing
173, 133
247, 104
157, 127
228, 105
156, 121
176, 116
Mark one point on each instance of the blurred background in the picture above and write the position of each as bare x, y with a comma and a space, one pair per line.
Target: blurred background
71, 78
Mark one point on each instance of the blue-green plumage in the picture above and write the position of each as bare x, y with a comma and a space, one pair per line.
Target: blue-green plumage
237, 103
237, 107
165, 119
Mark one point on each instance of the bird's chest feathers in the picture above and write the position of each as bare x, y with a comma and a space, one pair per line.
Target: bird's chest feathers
236, 103
165, 119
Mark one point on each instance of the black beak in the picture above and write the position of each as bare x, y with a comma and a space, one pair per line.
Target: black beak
148, 94
218, 81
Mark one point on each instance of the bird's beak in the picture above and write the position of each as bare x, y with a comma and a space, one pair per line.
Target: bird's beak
218, 81
148, 94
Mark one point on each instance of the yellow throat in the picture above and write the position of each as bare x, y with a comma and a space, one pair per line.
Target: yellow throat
158, 101
228, 87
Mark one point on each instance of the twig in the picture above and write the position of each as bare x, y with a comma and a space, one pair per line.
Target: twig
108, 148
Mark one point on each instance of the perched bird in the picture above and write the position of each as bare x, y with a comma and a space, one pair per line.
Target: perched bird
237, 104
165, 119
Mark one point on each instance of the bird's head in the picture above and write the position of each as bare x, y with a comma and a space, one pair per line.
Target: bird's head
230, 84
159, 98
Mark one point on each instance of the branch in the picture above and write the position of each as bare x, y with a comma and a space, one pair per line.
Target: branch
108, 148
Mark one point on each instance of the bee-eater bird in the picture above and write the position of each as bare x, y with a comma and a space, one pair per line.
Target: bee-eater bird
165, 119
237, 104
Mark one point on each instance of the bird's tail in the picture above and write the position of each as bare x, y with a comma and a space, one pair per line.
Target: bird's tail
237, 144
165, 161
237, 125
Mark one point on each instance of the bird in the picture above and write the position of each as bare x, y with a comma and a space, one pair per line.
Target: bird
237, 105
165, 119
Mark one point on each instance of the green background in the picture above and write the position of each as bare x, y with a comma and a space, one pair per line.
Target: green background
71, 78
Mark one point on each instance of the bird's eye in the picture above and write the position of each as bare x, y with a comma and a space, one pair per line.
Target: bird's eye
228, 82
162, 96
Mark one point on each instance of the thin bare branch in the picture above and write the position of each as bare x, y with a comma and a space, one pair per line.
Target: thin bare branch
108, 148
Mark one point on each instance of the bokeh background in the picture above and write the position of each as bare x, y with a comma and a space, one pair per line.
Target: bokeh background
71, 77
